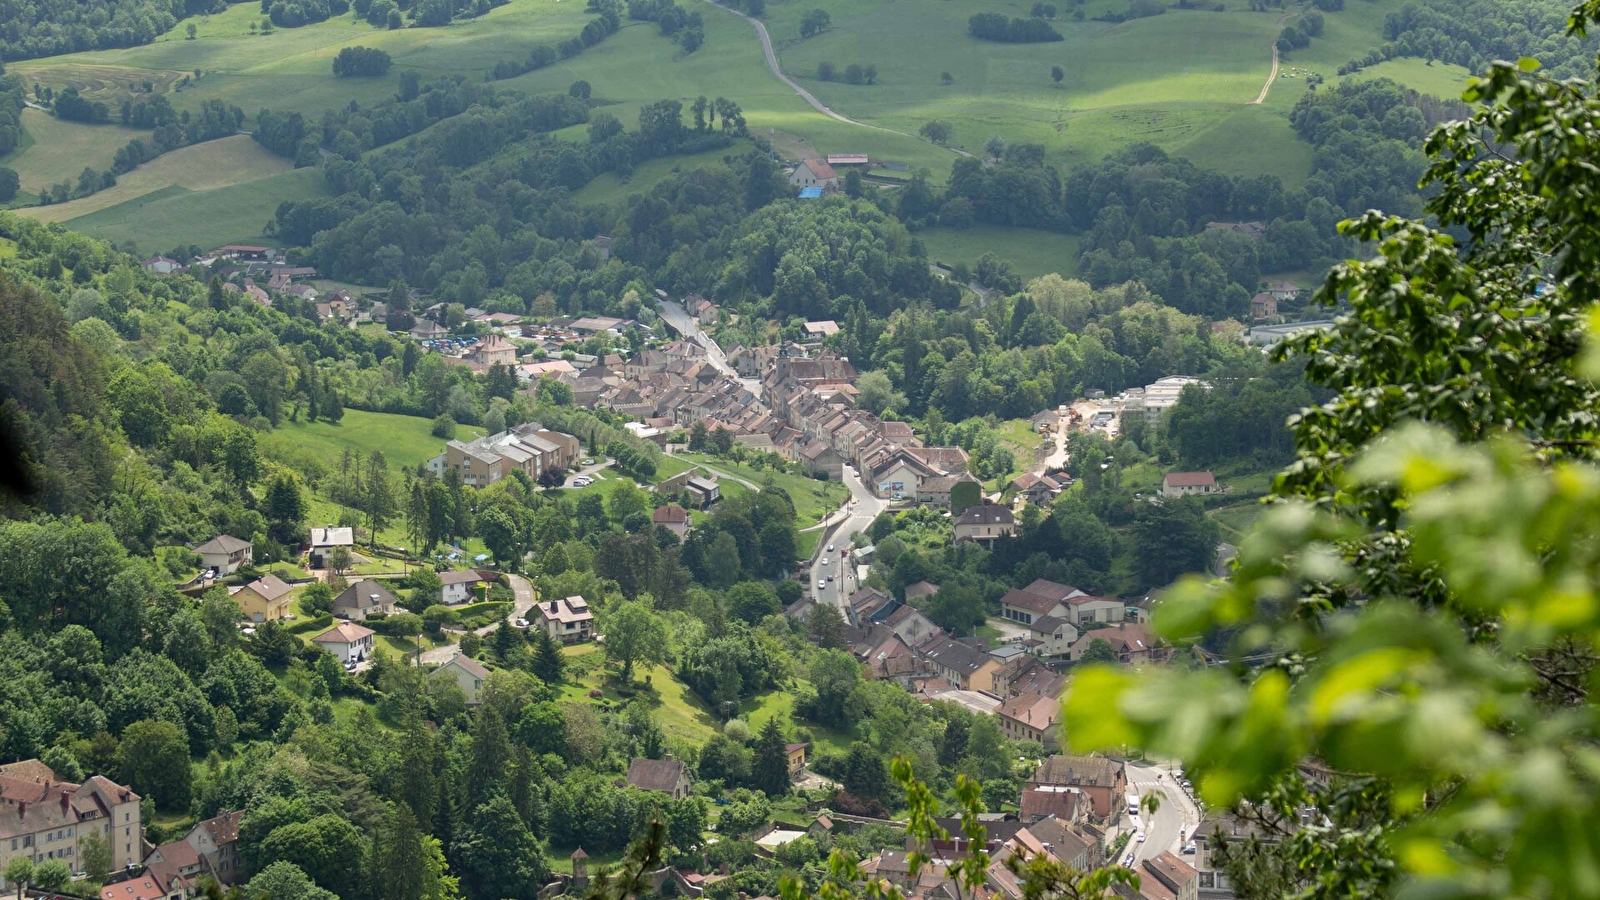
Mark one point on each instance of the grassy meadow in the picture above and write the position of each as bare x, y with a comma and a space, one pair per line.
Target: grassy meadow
53, 151
1030, 252
404, 440
176, 215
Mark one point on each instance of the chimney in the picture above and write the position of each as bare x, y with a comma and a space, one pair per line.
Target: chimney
22, 809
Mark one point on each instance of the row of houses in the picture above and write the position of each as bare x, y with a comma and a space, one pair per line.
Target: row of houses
529, 448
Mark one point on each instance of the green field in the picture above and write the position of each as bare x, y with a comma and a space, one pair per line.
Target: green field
1031, 253
405, 440
176, 215
201, 167
812, 498
54, 151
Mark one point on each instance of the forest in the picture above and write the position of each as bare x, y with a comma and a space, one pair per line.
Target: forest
34, 28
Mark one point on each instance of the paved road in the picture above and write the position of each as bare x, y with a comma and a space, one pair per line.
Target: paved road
519, 610
1177, 812
818, 105
863, 507
680, 321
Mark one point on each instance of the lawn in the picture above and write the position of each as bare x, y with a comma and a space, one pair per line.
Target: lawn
54, 151
201, 167
176, 216
812, 498
1031, 253
404, 440
608, 188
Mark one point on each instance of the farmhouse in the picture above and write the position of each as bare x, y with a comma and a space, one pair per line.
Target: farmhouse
266, 600
428, 330
467, 672
814, 173
1183, 484
667, 776
225, 553
1263, 306
162, 265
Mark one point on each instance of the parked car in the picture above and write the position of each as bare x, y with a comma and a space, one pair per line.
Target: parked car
521, 623
1189, 847
587, 462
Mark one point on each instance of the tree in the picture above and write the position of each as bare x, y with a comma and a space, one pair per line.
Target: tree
497, 856
937, 131
1453, 447
1173, 538
827, 627
1099, 651
52, 875
398, 868
338, 559
865, 774
189, 30
826, 71
1057, 74
814, 22
378, 496
285, 508
319, 847
769, 772
284, 881
153, 759
877, 394
853, 187
634, 633
548, 663
19, 872
946, 78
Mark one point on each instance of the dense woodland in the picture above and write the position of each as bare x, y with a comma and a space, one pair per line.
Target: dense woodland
34, 28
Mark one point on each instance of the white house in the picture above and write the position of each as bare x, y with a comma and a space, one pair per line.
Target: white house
225, 553
568, 620
348, 642
458, 587
1183, 484
814, 173
325, 539
467, 672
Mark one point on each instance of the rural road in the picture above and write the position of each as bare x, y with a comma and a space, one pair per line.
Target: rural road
519, 609
1273, 75
818, 105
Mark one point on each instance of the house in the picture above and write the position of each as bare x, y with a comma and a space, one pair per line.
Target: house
493, 350
919, 590
1102, 780
428, 330
1282, 290
1131, 641
530, 447
1031, 717
936, 491
814, 173
363, 598
217, 841
176, 868
1027, 675
348, 642
1163, 877
459, 587
820, 826
144, 886
264, 600
910, 625
823, 328
984, 524
1039, 490
1184, 484
667, 776
602, 244
225, 553
1047, 598
820, 458
966, 667
1068, 805
468, 673
1051, 636
672, 517
702, 492
797, 758
162, 265
568, 620
44, 817
1263, 306
324, 540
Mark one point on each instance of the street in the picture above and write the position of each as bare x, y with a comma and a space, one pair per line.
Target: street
680, 321
863, 507
1176, 813
519, 610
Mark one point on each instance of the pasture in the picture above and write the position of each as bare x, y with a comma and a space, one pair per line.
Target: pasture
405, 440
200, 167
53, 151
175, 215
1031, 253
108, 84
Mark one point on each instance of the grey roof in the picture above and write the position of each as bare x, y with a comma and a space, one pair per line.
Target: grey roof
223, 543
364, 594
656, 774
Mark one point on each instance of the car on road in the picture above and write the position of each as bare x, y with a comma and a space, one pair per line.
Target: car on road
821, 585
582, 481
830, 548
521, 623
830, 577
1141, 837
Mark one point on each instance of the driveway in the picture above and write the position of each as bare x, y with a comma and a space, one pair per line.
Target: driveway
862, 508
521, 587
602, 463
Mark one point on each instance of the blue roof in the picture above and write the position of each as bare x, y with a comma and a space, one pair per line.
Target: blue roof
810, 193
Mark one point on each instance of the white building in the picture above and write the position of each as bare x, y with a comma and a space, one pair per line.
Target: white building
348, 642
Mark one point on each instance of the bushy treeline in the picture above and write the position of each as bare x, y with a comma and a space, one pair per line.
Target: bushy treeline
38, 28
1012, 30
367, 61
1473, 33
352, 130
12, 101
685, 28
597, 29
170, 130
294, 13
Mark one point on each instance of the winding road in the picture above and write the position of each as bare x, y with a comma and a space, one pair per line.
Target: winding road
818, 105
519, 610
